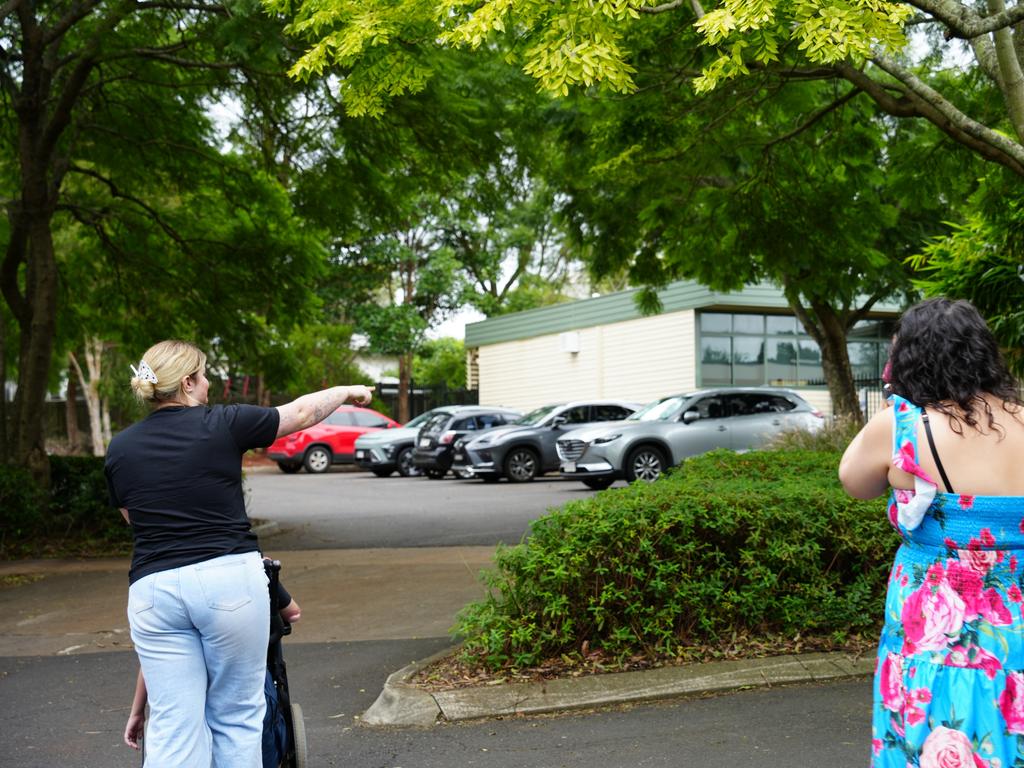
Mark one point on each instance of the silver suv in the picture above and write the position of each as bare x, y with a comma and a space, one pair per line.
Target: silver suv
663, 433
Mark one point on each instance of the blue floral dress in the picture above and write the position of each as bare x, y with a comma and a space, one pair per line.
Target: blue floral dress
949, 682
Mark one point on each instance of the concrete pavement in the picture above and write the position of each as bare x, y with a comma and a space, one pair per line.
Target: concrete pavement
77, 607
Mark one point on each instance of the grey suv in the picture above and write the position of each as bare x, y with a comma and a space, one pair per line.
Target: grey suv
437, 436
665, 432
385, 451
526, 448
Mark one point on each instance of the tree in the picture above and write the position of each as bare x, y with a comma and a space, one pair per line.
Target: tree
982, 260
440, 362
568, 43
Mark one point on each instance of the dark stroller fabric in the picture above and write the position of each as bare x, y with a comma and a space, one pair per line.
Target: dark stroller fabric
275, 729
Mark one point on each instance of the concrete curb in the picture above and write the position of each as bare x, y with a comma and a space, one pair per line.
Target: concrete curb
265, 527
402, 704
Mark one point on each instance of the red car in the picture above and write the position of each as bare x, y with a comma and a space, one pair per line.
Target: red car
332, 441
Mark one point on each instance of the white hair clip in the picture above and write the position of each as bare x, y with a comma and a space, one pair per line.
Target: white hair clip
144, 372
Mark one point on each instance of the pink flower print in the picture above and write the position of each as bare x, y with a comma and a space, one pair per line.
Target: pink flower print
969, 584
931, 618
906, 457
948, 748
987, 539
904, 581
890, 682
876, 747
996, 612
977, 558
1011, 702
950, 544
904, 407
903, 496
1013, 562
974, 657
1021, 526
912, 714
894, 516
1013, 594
936, 573
965, 501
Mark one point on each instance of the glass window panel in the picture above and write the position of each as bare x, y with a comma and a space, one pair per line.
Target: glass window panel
748, 324
715, 322
810, 363
864, 329
781, 324
863, 360
748, 361
716, 361
578, 415
781, 363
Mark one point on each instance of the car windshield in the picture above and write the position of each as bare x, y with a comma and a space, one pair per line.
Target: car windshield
667, 409
533, 418
435, 422
420, 420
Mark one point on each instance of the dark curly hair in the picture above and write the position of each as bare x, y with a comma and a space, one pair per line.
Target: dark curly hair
945, 357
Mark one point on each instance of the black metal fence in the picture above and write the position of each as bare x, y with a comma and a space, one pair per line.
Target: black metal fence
422, 398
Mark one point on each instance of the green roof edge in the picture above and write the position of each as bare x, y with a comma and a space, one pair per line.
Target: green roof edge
621, 306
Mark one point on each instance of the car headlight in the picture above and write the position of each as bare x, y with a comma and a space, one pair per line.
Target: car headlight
389, 450
607, 438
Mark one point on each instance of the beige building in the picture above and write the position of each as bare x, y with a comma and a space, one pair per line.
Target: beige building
605, 348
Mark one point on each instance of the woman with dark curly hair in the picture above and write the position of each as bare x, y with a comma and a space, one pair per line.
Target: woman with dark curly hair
949, 684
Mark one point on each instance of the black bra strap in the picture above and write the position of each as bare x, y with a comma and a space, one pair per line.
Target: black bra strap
935, 453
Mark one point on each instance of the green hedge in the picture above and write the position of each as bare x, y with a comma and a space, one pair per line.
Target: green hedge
763, 543
76, 514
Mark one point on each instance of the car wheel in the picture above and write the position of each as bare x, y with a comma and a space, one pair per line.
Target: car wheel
521, 465
646, 463
318, 460
598, 483
405, 466
381, 472
436, 474
288, 469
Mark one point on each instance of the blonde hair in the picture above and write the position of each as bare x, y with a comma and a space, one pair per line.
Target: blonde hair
171, 362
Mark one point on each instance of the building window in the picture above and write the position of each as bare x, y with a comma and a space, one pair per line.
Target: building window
746, 349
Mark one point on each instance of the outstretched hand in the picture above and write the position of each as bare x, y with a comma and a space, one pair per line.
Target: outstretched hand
360, 395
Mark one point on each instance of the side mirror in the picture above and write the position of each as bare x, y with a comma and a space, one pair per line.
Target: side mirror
691, 416
558, 421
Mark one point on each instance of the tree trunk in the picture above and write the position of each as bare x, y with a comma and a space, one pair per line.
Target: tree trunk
91, 390
829, 329
404, 377
71, 409
37, 321
4, 445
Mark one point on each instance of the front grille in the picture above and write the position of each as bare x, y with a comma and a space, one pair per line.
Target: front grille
570, 450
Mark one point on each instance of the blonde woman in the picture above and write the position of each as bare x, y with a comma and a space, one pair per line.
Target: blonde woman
197, 602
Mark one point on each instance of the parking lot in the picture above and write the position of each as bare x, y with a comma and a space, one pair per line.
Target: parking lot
347, 509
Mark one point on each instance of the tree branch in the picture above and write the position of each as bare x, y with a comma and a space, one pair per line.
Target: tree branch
8, 8
813, 119
75, 14
925, 94
117, 193
1011, 79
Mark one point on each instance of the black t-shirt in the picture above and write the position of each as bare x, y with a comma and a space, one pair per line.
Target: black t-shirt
178, 472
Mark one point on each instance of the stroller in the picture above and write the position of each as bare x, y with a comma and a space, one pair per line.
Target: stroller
284, 731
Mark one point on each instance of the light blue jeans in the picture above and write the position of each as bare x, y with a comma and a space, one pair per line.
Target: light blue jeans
201, 634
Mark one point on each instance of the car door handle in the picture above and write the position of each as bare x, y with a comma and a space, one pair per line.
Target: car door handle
722, 428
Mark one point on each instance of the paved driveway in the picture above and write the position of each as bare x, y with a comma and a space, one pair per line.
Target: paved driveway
357, 510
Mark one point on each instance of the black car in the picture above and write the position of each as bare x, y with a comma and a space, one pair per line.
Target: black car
436, 440
526, 448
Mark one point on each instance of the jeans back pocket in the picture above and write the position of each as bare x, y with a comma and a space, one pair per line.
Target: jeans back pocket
140, 594
225, 585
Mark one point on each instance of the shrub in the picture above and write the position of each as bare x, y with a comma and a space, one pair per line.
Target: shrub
835, 436
76, 516
764, 542
21, 504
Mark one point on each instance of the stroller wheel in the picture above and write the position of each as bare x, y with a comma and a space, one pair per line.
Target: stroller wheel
299, 736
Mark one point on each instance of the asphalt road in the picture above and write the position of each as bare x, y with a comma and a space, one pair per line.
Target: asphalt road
357, 510
70, 711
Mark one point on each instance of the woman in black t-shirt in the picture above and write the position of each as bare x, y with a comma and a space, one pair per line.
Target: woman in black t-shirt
197, 600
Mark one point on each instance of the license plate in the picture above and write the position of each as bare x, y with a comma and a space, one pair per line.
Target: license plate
569, 466
360, 454
425, 442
